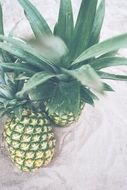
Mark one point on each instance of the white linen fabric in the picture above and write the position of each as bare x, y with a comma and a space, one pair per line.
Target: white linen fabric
92, 153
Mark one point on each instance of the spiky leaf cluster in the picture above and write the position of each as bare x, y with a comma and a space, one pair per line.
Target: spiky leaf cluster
9, 103
64, 66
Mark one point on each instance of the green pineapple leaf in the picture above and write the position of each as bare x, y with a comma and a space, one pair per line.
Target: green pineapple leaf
66, 98
52, 47
6, 92
55, 28
107, 87
20, 53
65, 26
37, 22
7, 57
43, 91
98, 22
86, 96
109, 76
18, 66
18, 112
110, 54
1, 20
83, 28
86, 75
2, 99
94, 97
26, 52
3, 54
2, 79
104, 47
22, 76
37, 79
101, 63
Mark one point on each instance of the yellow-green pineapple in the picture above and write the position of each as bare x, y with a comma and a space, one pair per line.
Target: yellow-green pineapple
66, 119
30, 140
28, 134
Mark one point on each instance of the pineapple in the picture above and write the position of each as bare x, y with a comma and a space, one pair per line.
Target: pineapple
66, 119
63, 120
30, 141
28, 134
64, 67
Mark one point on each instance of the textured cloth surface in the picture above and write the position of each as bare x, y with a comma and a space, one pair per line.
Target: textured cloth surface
91, 154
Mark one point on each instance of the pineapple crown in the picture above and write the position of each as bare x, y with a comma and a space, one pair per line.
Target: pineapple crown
64, 66
9, 102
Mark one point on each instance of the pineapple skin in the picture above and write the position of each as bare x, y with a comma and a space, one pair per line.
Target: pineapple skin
30, 141
66, 119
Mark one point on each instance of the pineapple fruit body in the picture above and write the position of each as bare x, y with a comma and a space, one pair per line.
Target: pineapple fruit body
66, 119
30, 141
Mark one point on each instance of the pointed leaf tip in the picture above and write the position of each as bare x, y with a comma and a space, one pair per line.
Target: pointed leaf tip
36, 20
